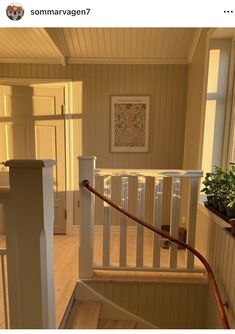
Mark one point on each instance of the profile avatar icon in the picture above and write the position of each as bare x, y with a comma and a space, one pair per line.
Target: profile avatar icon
15, 11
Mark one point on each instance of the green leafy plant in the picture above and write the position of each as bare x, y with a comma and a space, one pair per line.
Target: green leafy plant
219, 186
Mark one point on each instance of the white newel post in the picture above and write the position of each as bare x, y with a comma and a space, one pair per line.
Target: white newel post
86, 234
29, 240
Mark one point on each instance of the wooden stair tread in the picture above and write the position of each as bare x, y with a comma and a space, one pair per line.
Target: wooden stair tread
116, 324
84, 315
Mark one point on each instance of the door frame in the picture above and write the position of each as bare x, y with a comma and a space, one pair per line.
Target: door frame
68, 140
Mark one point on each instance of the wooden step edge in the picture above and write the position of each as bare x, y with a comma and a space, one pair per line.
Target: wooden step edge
84, 315
68, 310
116, 324
153, 277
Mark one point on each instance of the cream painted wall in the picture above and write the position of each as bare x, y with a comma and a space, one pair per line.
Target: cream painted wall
195, 113
168, 305
219, 249
165, 84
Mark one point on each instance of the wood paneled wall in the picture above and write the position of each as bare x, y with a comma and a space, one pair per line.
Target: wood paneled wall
167, 305
196, 104
165, 84
219, 249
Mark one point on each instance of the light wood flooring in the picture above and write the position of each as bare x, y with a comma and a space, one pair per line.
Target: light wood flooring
66, 264
66, 273
131, 250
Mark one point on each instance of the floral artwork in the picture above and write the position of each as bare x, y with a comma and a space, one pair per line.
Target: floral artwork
130, 120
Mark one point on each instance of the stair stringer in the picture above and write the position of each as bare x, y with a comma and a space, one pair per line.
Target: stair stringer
109, 310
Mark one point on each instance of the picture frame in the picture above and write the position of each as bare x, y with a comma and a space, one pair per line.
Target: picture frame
130, 123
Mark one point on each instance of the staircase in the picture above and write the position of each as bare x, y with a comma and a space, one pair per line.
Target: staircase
86, 315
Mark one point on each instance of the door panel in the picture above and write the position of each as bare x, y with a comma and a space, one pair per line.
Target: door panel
25, 134
27, 101
49, 144
17, 141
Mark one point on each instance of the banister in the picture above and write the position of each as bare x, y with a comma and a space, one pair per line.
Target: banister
207, 266
149, 172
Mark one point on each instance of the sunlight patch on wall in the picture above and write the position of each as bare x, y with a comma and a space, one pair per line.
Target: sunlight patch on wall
209, 133
213, 75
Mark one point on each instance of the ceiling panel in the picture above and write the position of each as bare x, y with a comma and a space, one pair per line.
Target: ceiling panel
26, 43
97, 45
120, 43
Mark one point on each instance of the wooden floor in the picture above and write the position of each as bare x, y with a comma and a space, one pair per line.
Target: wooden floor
66, 273
66, 264
131, 250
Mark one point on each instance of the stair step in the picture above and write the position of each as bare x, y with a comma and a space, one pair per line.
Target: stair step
116, 324
84, 315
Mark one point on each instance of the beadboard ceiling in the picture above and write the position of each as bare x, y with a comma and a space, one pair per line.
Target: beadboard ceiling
98, 45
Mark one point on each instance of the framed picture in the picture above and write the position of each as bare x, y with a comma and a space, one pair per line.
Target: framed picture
129, 123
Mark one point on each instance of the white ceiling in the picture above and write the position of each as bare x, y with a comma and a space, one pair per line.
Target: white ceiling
98, 45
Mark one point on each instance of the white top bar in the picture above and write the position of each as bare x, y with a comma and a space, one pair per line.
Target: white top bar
149, 172
86, 157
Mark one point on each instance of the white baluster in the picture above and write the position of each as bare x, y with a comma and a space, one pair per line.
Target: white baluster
123, 223
191, 229
106, 230
140, 228
174, 227
157, 222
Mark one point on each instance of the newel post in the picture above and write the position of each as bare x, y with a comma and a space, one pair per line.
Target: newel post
29, 241
86, 232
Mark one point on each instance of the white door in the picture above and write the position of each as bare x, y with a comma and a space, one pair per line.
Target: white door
32, 127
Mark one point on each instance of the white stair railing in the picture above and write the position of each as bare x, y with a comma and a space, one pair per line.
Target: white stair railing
160, 197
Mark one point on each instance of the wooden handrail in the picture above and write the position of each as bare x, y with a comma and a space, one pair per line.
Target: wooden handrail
207, 266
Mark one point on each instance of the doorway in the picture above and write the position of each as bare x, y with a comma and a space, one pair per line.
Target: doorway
32, 126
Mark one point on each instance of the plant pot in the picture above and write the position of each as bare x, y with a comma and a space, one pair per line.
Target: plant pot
182, 234
210, 200
215, 202
232, 223
230, 212
222, 208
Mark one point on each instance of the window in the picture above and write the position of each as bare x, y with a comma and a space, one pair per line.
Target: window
216, 104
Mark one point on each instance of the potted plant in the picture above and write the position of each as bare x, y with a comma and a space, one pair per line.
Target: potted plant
213, 186
208, 185
232, 223
219, 186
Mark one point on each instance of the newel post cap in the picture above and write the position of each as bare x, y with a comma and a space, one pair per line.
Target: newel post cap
20, 163
87, 157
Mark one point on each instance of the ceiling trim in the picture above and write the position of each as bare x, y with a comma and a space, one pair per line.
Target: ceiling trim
62, 56
194, 44
57, 61
32, 81
30, 61
143, 61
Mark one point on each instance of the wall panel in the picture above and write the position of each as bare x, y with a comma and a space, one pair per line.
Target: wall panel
167, 305
166, 85
219, 249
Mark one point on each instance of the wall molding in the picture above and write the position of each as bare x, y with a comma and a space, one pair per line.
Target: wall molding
63, 61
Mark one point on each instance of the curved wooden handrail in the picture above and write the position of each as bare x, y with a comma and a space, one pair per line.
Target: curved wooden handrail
207, 266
